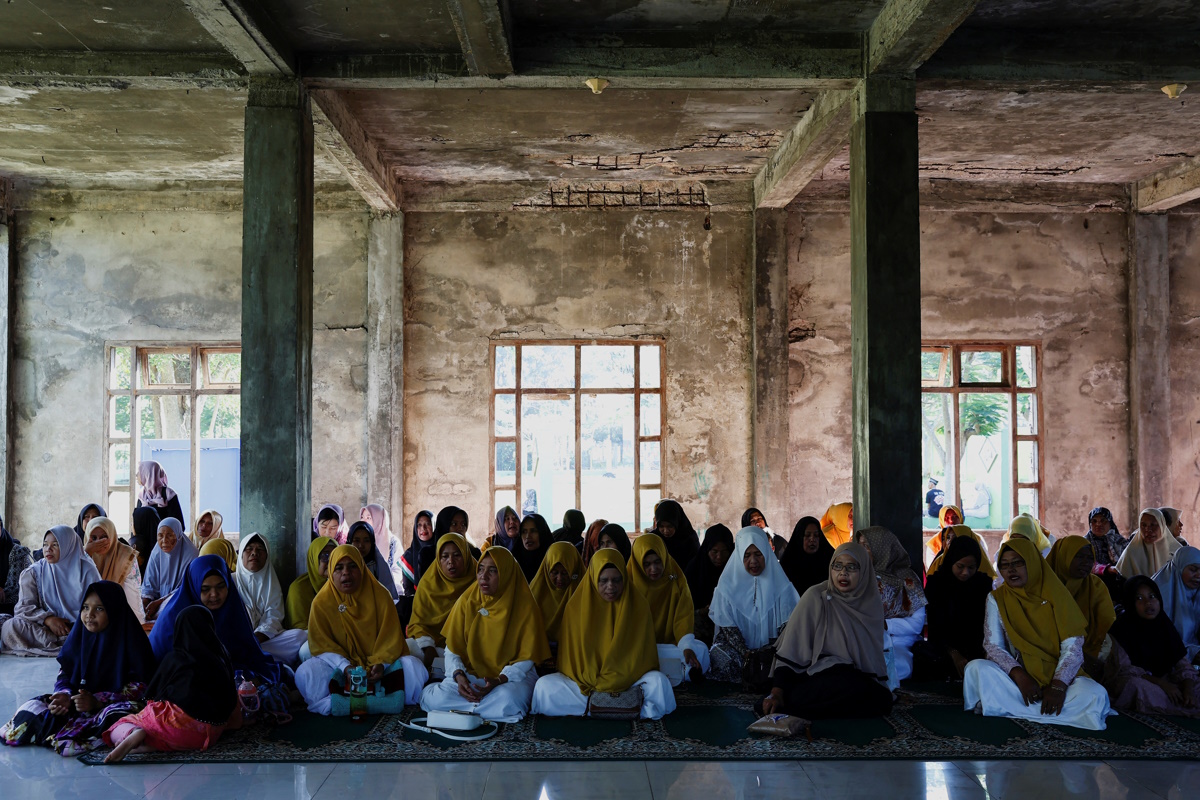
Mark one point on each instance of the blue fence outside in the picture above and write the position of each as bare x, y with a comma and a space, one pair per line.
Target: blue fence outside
220, 484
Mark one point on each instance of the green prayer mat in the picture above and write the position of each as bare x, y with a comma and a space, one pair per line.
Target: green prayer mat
927, 723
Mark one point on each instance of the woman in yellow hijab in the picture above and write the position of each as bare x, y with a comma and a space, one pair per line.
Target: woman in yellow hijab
658, 578
606, 645
838, 524
494, 638
436, 595
1033, 635
353, 623
224, 548
948, 535
1026, 527
555, 582
304, 589
1072, 559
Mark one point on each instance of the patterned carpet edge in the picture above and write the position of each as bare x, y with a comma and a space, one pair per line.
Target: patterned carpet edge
385, 739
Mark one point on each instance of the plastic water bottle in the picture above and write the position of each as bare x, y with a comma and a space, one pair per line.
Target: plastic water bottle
247, 695
358, 693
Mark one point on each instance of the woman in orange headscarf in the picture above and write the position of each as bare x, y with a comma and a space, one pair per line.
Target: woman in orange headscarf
494, 638
353, 623
941, 543
838, 524
606, 645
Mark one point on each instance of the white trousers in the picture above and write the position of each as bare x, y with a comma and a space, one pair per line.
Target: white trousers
508, 702
285, 648
905, 632
438, 670
669, 651
557, 695
313, 676
988, 689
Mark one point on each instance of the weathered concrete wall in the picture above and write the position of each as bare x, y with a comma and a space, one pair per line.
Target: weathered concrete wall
473, 276
1057, 279
1184, 239
87, 278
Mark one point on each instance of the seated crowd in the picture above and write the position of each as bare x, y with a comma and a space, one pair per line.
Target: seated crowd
824, 624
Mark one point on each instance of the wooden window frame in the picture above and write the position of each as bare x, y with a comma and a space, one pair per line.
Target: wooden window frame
199, 387
577, 391
1008, 385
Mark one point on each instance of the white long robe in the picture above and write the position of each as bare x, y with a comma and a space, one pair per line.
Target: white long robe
508, 702
312, 679
557, 695
988, 689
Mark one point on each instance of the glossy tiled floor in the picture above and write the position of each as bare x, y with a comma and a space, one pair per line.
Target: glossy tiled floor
42, 774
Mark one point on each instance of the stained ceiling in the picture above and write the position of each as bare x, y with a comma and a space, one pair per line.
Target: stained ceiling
120, 134
499, 134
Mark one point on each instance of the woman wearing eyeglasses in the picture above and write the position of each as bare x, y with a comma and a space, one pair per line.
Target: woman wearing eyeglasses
829, 659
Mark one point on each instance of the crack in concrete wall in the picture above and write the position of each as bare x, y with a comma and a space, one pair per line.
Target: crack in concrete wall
988, 277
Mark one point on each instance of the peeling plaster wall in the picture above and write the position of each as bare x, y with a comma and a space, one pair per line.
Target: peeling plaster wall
1184, 237
1057, 279
87, 278
613, 274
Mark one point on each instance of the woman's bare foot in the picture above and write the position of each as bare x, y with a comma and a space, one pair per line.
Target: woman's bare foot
123, 749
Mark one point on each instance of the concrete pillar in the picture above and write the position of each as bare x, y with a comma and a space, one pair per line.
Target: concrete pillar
277, 293
1149, 361
769, 491
385, 365
8, 262
885, 310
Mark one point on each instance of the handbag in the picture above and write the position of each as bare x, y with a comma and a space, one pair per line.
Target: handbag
781, 725
616, 705
756, 672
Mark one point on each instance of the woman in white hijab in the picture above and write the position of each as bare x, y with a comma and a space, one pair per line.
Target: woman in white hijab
829, 660
51, 596
751, 603
262, 595
1151, 548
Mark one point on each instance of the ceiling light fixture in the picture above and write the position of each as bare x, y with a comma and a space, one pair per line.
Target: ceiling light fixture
1173, 90
598, 85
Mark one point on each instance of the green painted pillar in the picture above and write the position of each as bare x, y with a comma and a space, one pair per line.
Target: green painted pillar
771, 412
885, 310
277, 296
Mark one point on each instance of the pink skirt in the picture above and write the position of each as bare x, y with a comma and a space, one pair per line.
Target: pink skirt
168, 727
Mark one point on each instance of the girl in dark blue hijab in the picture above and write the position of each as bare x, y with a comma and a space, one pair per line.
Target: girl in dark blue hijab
104, 668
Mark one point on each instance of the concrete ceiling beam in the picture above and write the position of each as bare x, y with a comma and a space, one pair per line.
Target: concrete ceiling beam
1168, 188
483, 31
805, 150
638, 61
1056, 60
903, 36
339, 134
999, 197
682, 54
907, 32
245, 29
139, 70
